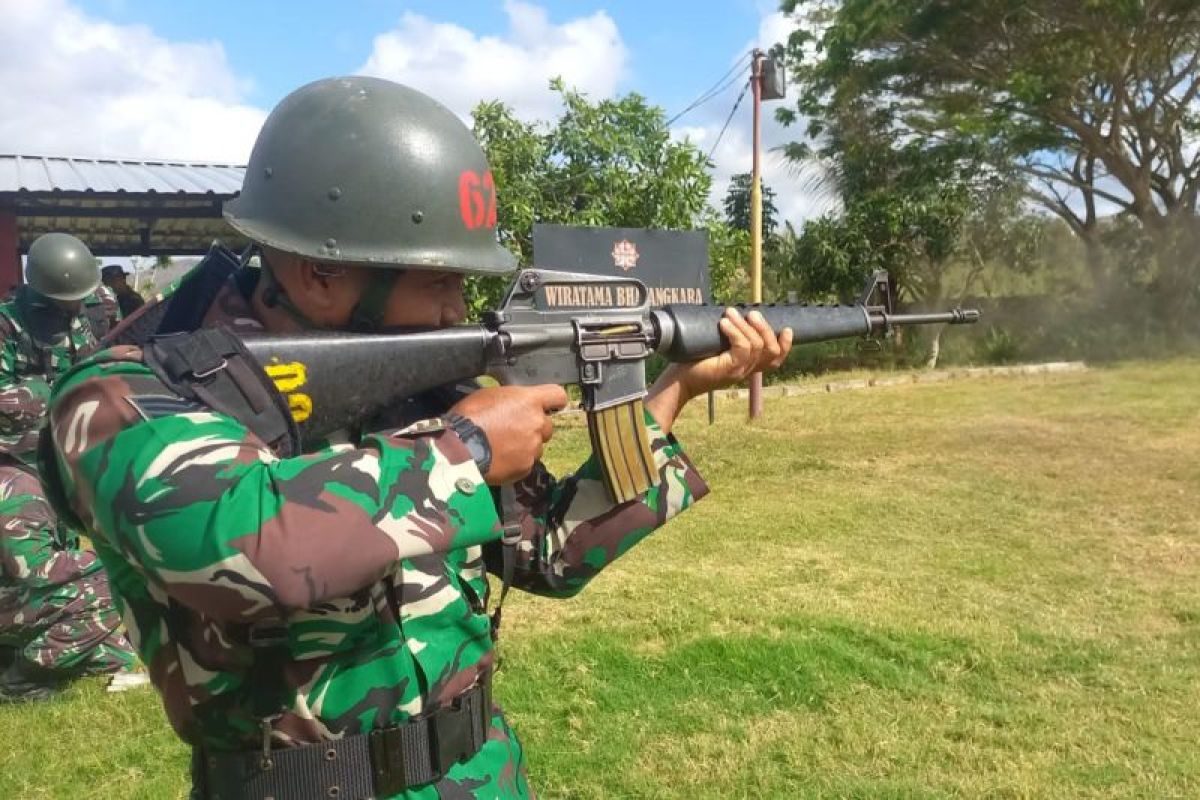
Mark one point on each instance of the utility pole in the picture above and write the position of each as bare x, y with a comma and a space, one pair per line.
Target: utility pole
756, 220
774, 90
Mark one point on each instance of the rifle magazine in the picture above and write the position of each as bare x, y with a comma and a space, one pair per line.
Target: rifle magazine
622, 445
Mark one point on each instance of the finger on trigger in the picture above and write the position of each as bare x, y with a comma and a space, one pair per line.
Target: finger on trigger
553, 397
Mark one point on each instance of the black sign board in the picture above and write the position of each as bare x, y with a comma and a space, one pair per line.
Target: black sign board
672, 264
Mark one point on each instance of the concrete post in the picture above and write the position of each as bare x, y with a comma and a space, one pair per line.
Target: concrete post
10, 256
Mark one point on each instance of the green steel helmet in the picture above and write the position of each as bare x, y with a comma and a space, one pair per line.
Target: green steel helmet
363, 171
61, 267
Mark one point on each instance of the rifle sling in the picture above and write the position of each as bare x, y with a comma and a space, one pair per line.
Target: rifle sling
212, 366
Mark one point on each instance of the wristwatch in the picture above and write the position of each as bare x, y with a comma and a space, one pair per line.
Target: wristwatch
473, 437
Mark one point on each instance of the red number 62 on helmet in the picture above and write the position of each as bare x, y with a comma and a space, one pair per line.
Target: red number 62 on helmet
477, 199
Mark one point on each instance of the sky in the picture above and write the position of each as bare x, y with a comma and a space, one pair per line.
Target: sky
188, 80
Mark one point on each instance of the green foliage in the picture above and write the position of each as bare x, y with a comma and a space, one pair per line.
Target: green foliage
610, 163
998, 346
738, 206
728, 259
1092, 104
905, 210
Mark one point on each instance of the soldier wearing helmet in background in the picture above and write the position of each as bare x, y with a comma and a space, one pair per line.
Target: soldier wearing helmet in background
56, 614
315, 617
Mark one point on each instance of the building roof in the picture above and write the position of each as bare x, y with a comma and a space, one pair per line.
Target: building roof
107, 175
120, 207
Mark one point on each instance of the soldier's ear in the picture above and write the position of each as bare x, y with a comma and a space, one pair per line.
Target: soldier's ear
326, 292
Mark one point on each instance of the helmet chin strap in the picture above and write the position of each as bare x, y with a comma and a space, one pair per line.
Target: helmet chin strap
367, 315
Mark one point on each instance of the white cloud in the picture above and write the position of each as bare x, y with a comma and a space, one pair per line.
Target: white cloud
75, 85
461, 68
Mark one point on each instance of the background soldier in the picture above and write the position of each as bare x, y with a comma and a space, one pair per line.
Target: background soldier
102, 311
129, 301
317, 623
55, 609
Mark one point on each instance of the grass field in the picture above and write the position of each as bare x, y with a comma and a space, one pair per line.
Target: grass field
987, 588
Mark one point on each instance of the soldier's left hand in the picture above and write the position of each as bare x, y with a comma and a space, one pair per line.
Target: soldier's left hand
754, 347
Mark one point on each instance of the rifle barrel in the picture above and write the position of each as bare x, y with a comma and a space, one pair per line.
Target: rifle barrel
958, 316
690, 332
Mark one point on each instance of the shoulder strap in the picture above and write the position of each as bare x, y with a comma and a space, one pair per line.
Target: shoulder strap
185, 308
212, 366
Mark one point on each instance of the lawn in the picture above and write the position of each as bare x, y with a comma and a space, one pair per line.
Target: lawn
986, 588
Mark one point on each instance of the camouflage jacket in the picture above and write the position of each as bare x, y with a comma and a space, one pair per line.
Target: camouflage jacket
102, 310
37, 557
27, 368
374, 552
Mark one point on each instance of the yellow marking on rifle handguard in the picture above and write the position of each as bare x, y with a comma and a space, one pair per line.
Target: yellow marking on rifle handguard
300, 405
287, 378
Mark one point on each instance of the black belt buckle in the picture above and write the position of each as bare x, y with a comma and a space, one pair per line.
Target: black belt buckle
453, 735
387, 761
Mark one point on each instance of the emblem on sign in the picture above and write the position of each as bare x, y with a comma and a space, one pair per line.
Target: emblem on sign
625, 255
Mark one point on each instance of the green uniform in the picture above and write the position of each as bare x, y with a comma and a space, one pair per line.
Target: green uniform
102, 309
55, 608
374, 552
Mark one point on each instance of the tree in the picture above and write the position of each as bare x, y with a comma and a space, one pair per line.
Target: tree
611, 163
1093, 102
737, 205
728, 259
933, 219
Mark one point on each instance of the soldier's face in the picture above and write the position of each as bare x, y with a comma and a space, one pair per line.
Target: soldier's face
427, 299
70, 308
328, 293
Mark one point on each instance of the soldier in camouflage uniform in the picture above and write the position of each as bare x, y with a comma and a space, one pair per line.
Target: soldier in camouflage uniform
55, 609
102, 310
317, 623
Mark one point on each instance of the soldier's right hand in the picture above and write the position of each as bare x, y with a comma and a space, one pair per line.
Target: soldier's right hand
517, 423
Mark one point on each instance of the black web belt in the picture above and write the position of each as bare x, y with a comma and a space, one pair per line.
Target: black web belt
381, 763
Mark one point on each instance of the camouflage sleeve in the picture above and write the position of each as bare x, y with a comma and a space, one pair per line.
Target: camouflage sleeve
570, 529
22, 400
214, 519
30, 551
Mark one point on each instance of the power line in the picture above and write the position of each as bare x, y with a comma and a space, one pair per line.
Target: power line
723, 83
728, 119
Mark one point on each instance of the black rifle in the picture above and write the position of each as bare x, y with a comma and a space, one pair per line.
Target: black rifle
553, 327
